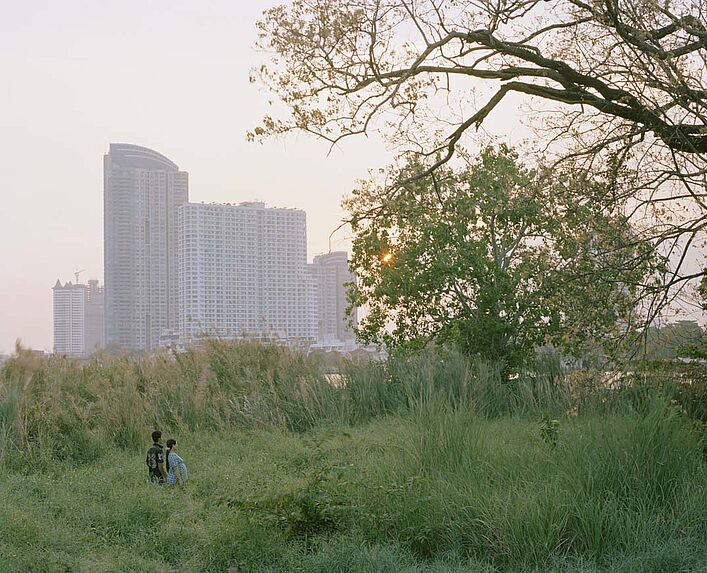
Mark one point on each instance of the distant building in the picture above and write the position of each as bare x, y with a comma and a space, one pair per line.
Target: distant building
328, 295
242, 272
69, 319
94, 317
142, 191
37, 353
78, 318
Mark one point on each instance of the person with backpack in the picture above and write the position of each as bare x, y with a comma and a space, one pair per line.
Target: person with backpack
155, 459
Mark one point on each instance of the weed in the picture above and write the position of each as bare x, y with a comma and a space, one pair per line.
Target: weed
549, 430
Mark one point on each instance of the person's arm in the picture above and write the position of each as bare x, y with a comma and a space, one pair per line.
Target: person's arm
178, 474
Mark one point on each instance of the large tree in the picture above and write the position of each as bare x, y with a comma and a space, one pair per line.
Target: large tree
495, 259
626, 80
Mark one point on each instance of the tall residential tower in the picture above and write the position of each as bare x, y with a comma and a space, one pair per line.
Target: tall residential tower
78, 318
331, 275
242, 272
69, 319
142, 191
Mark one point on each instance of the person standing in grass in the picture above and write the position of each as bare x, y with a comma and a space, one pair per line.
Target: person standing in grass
155, 459
176, 468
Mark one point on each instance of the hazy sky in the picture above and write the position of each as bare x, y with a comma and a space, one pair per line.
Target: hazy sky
169, 75
173, 76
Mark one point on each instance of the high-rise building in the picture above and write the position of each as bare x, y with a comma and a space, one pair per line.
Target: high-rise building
78, 318
330, 274
94, 317
69, 319
242, 272
142, 191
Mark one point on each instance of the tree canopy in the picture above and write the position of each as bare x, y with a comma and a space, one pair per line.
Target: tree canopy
494, 259
622, 82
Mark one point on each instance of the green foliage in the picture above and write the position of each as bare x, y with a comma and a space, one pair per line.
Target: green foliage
495, 260
438, 489
429, 462
317, 507
60, 411
683, 384
549, 429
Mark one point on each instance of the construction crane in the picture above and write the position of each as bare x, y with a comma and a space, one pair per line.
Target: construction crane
76, 275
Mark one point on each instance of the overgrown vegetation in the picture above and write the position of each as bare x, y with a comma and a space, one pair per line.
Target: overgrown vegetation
612, 88
494, 260
429, 463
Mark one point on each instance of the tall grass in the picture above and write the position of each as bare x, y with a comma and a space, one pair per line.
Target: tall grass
493, 489
60, 409
69, 411
438, 489
428, 463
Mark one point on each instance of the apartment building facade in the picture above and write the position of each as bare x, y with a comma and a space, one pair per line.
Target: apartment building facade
242, 272
69, 317
94, 317
143, 190
331, 275
78, 318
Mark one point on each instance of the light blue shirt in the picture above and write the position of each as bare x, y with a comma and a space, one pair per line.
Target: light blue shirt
176, 462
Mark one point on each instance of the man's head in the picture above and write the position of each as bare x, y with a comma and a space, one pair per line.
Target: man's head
157, 437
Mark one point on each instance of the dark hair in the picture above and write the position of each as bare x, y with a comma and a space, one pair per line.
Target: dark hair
170, 444
156, 435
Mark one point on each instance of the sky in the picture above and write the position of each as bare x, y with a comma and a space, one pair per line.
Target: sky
169, 75
172, 75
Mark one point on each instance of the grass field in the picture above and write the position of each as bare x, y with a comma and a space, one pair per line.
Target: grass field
398, 472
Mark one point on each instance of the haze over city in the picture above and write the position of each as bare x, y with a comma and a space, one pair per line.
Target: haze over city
173, 77
170, 76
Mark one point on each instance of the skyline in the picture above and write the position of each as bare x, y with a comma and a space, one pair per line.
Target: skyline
237, 271
168, 76
74, 69
96, 271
